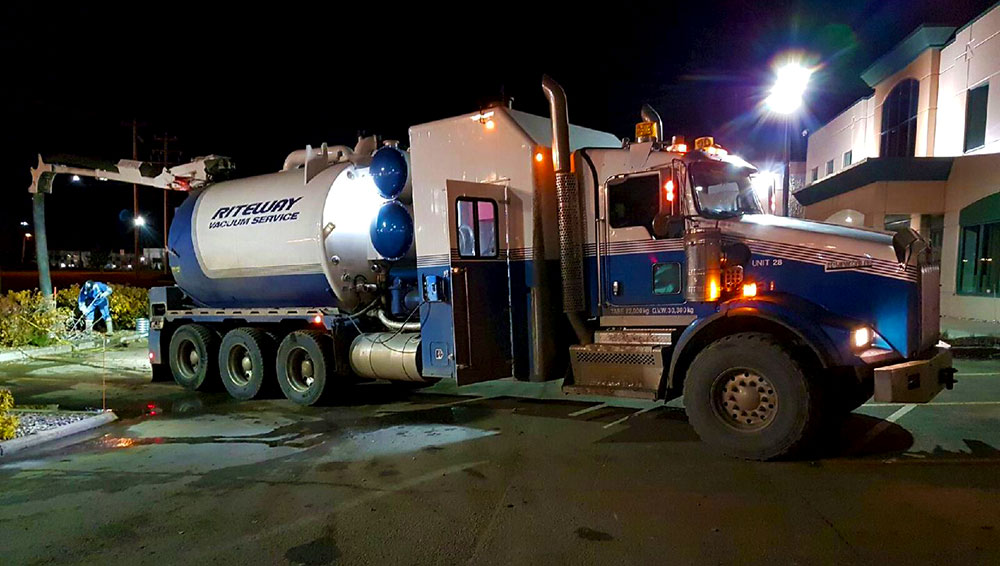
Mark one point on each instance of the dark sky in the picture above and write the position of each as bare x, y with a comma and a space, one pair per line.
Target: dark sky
254, 85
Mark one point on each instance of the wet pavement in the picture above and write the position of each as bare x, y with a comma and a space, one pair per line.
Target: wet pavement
498, 473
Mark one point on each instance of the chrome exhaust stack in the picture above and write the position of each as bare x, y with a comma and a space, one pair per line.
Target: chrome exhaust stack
649, 114
568, 216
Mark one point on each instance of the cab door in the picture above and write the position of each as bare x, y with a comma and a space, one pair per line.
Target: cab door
478, 223
643, 260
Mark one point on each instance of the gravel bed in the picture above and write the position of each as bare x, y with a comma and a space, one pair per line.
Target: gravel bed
31, 423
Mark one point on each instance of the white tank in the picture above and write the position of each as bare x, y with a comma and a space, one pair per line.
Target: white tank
278, 241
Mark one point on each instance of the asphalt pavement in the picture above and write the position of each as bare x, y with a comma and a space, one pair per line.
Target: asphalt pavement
497, 473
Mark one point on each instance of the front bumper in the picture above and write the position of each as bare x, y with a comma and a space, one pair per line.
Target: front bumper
915, 381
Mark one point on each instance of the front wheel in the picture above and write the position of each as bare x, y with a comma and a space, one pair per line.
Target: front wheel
746, 396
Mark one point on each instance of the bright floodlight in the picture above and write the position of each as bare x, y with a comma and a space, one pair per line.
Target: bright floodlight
75, 178
139, 221
789, 86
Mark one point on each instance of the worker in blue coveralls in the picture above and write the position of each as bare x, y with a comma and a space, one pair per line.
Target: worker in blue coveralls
93, 298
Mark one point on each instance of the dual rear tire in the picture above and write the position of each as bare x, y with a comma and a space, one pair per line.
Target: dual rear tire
248, 363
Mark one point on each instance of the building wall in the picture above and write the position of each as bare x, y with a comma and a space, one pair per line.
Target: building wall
972, 178
971, 60
857, 129
849, 131
875, 200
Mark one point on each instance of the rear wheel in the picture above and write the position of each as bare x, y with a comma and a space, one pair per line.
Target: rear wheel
746, 396
305, 366
192, 359
246, 362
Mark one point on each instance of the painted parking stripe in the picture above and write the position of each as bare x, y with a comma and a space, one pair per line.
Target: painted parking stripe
587, 410
627, 417
964, 374
944, 404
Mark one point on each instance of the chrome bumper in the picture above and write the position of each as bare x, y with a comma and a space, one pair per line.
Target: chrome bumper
915, 381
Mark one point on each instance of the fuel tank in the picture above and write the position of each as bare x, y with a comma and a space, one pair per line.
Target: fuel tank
288, 240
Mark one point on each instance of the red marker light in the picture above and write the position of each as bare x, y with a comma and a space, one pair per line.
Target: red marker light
317, 319
668, 187
151, 356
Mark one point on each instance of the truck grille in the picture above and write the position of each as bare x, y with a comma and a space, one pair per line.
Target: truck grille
930, 305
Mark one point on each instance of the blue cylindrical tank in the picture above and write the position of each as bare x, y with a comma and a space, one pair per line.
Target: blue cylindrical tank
278, 241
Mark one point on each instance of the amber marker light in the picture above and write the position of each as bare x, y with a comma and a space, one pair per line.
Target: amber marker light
713, 290
539, 157
749, 289
490, 124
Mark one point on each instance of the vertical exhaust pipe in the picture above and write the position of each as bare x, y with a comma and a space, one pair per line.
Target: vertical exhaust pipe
568, 202
649, 114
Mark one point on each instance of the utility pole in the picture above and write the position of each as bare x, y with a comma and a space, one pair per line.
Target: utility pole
135, 199
41, 244
165, 161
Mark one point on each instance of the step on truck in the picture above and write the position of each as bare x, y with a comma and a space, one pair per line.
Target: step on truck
499, 244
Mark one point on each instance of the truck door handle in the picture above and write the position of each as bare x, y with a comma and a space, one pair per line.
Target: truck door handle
616, 288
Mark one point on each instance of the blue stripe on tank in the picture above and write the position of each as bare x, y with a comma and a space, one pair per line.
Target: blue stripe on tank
311, 290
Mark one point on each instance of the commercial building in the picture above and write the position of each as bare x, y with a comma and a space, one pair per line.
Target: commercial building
923, 151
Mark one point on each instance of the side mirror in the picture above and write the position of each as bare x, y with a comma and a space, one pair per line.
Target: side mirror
668, 226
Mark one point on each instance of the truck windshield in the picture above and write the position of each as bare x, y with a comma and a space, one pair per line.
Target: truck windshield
722, 190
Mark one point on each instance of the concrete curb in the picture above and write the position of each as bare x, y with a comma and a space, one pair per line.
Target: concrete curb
18, 355
8, 447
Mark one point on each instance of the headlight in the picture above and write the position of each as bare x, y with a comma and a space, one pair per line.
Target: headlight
861, 337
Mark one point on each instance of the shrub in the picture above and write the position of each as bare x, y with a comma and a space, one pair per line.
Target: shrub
8, 423
26, 319
6, 400
128, 304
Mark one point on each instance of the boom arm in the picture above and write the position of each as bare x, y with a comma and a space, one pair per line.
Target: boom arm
201, 171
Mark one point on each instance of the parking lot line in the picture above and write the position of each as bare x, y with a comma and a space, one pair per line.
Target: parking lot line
942, 404
627, 417
587, 410
978, 374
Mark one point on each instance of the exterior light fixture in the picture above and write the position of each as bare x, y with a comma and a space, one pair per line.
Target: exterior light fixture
789, 86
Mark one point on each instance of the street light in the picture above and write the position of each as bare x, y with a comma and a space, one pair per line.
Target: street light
24, 224
785, 99
24, 244
75, 178
139, 221
790, 82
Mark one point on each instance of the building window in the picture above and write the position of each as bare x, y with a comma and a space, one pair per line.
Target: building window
899, 120
975, 117
829, 167
634, 200
979, 248
814, 174
477, 227
848, 157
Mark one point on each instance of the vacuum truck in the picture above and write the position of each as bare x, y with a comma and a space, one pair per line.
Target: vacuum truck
499, 244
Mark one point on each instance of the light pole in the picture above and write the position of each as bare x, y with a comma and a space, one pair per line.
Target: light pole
785, 99
138, 222
24, 245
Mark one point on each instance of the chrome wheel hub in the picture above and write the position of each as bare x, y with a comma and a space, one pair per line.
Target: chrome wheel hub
745, 399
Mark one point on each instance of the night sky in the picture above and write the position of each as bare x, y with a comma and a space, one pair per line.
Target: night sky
256, 85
